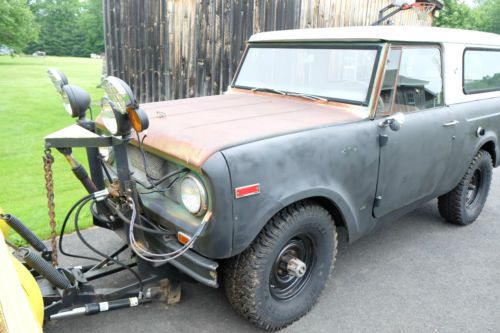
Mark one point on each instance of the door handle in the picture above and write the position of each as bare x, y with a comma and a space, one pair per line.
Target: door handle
451, 123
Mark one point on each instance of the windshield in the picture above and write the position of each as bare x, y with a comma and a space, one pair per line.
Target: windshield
334, 73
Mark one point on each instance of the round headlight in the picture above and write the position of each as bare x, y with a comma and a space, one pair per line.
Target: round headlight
119, 93
193, 194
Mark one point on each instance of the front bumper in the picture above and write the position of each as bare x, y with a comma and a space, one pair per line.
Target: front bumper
194, 265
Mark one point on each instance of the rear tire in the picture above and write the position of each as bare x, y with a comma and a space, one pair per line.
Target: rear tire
464, 203
259, 283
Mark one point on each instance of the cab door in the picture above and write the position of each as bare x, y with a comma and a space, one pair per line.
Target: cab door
415, 127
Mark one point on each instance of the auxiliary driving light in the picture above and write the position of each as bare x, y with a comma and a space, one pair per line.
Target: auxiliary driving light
119, 93
121, 111
115, 122
57, 78
76, 100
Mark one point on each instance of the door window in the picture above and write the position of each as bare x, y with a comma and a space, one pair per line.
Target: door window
418, 85
387, 90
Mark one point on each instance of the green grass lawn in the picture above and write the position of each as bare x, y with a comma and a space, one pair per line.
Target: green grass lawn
30, 109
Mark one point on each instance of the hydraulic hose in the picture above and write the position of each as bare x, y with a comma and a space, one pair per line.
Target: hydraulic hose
44, 268
82, 175
24, 232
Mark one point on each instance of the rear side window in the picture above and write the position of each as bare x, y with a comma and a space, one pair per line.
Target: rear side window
481, 71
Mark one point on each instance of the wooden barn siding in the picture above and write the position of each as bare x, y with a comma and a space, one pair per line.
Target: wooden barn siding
169, 49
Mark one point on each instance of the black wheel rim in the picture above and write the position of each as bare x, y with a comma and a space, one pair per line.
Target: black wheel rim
473, 188
282, 285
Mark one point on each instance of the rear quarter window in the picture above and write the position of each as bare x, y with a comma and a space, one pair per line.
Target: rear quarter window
481, 71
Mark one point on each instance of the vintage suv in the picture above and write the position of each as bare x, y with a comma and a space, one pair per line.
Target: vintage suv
320, 129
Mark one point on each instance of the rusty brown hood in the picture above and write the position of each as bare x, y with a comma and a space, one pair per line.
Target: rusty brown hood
193, 129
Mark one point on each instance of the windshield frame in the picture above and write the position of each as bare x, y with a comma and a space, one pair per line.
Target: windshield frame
315, 45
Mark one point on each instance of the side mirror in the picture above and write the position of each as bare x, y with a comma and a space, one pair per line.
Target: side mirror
395, 121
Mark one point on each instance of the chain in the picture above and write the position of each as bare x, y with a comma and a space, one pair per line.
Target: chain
48, 160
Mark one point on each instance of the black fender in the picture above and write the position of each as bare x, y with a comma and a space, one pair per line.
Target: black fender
321, 163
488, 142
274, 206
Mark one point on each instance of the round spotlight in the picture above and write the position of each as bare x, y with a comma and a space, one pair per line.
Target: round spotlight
76, 100
115, 122
119, 93
57, 78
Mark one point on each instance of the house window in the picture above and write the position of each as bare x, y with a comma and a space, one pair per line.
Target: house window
410, 98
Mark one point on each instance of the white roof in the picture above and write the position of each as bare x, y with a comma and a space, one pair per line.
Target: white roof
381, 33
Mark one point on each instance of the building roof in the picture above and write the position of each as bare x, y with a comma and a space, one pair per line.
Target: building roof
403, 81
381, 33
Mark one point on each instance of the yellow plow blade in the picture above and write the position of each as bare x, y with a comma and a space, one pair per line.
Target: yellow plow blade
21, 303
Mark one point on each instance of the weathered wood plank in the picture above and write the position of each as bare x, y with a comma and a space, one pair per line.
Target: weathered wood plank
168, 49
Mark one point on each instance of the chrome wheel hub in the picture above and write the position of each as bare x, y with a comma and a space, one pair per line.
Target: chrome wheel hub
296, 267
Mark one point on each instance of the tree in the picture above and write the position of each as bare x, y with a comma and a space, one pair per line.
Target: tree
69, 27
91, 22
17, 27
58, 25
489, 13
456, 14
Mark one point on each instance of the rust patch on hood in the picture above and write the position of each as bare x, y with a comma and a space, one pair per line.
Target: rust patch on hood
193, 129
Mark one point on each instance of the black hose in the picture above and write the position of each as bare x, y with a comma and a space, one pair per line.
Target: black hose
24, 232
63, 227
162, 179
44, 268
144, 160
153, 181
105, 168
84, 241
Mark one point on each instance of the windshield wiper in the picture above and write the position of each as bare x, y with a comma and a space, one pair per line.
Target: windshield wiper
308, 96
269, 90
276, 91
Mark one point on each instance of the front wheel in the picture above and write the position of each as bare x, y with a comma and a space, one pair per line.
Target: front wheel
280, 276
464, 203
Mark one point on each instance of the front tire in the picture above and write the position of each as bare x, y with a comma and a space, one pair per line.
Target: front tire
464, 203
265, 283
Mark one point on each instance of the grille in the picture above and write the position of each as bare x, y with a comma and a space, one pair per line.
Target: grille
157, 168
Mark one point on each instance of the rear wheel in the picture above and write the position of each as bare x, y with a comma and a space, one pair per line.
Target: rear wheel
280, 276
464, 203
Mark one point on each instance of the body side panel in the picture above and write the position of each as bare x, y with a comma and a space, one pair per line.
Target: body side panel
472, 115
